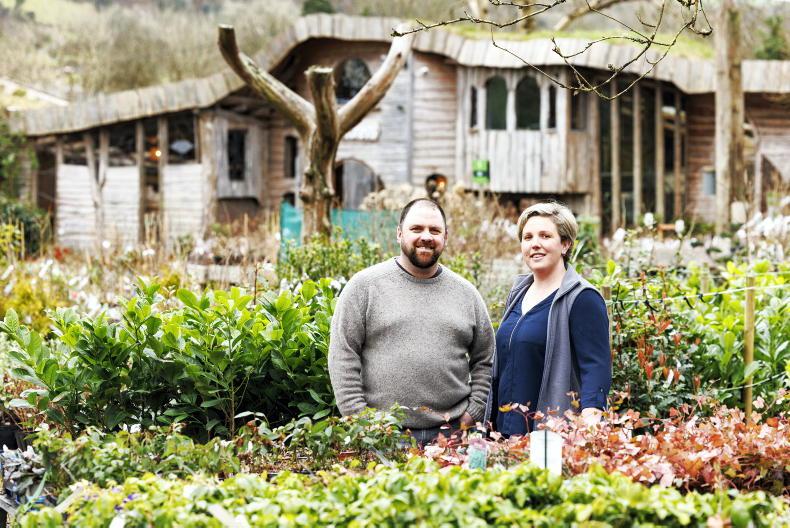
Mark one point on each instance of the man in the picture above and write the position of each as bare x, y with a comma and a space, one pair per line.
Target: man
411, 332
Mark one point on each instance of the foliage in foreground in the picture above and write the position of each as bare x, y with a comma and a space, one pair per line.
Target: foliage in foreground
677, 334
302, 445
202, 363
417, 493
685, 451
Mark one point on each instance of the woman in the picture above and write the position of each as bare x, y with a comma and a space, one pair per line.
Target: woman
552, 346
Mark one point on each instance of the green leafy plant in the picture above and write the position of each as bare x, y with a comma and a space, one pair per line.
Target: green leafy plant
203, 363
338, 258
105, 458
310, 445
417, 493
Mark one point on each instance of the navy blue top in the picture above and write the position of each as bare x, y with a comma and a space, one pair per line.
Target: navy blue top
521, 351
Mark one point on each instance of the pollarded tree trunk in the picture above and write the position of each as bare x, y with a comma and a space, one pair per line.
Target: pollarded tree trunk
320, 124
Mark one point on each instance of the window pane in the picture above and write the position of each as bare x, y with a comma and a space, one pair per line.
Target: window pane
579, 111
552, 107
291, 156
181, 138
350, 76
123, 149
236, 154
473, 107
528, 104
496, 104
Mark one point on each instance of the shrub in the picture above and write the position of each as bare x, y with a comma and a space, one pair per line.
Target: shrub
414, 494
202, 363
31, 221
688, 451
671, 343
338, 258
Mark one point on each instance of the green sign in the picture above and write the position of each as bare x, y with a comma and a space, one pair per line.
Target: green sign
481, 174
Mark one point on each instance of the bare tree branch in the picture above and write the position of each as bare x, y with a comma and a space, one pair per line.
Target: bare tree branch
693, 11
582, 10
353, 111
300, 112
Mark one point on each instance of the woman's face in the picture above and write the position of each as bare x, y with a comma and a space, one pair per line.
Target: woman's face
541, 245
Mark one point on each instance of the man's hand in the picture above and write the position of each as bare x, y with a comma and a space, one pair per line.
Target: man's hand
466, 421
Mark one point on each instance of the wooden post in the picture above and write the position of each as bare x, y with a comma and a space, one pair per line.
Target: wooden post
614, 113
163, 144
678, 185
595, 157
637, 167
659, 142
748, 343
606, 291
139, 138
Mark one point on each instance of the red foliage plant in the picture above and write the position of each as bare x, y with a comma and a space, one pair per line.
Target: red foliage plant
688, 451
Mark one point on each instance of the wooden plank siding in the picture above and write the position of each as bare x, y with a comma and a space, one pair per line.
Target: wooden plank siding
183, 199
121, 201
701, 127
546, 161
75, 217
435, 107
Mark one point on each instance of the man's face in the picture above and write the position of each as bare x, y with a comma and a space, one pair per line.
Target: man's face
423, 235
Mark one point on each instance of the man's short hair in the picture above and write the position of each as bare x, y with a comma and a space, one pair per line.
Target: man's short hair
409, 205
562, 217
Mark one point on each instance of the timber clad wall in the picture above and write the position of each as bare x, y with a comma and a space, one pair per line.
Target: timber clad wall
435, 109
121, 198
75, 220
701, 127
183, 198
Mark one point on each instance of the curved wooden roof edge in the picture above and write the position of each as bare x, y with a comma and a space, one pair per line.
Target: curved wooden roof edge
692, 76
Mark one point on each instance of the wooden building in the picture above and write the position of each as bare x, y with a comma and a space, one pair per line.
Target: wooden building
172, 159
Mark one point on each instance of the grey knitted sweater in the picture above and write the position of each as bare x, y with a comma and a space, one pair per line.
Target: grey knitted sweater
426, 344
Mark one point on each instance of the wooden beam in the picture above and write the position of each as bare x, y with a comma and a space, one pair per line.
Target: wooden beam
678, 183
164, 151
637, 140
614, 113
594, 124
139, 138
659, 148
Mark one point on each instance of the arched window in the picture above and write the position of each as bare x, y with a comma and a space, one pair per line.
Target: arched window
528, 104
552, 94
350, 76
496, 104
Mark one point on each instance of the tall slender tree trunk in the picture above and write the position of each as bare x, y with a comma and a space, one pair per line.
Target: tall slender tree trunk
729, 110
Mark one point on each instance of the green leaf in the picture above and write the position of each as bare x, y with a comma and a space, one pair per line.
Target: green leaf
212, 403
309, 290
187, 297
752, 369
12, 320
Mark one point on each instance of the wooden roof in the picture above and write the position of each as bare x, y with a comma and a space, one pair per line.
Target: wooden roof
692, 76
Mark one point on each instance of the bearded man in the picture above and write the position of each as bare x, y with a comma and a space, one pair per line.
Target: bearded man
412, 332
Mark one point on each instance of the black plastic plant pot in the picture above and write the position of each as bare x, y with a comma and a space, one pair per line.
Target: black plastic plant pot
8, 436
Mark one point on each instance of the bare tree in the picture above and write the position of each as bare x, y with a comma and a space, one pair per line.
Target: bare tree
320, 124
644, 35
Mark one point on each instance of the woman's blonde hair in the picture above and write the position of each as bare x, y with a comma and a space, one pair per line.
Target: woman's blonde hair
559, 214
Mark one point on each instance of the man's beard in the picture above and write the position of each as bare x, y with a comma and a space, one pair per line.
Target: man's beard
411, 254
